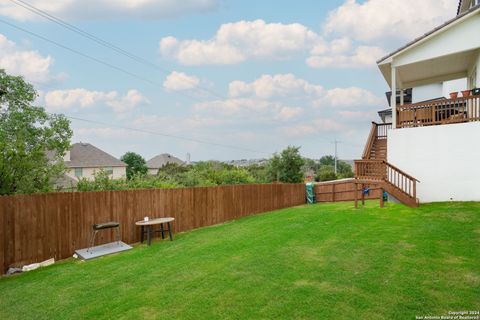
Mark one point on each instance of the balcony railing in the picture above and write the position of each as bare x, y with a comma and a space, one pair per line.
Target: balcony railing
437, 112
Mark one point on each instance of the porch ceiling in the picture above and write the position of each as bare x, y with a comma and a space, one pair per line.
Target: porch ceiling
443, 54
436, 70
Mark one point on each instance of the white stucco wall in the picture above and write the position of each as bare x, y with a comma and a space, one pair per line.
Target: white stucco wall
454, 86
436, 90
88, 173
426, 92
445, 158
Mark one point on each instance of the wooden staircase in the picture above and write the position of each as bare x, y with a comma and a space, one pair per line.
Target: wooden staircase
374, 168
376, 147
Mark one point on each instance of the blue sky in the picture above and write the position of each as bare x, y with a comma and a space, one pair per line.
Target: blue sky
257, 75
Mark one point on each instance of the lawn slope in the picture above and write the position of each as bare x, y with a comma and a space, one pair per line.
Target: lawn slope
325, 261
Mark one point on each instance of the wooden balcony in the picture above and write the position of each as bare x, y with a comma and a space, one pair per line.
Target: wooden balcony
437, 112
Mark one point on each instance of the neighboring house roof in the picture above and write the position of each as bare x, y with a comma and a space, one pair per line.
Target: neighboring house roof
437, 29
162, 159
65, 183
385, 112
85, 155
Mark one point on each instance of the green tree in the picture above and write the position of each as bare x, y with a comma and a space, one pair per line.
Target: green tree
286, 166
32, 142
258, 172
136, 164
326, 171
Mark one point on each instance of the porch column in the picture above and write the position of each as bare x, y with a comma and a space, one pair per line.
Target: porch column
401, 97
393, 98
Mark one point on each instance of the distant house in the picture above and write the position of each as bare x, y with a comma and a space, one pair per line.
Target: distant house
83, 160
160, 160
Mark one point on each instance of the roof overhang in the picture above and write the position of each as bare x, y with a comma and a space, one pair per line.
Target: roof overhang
446, 53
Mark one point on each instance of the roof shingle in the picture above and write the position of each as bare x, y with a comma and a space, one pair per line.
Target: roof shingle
162, 159
86, 155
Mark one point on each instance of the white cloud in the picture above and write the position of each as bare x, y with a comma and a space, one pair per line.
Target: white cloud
93, 134
362, 56
316, 126
280, 85
179, 81
82, 98
180, 126
108, 9
253, 109
236, 106
245, 40
348, 97
236, 42
288, 113
382, 20
128, 102
357, 115
27, 63
284, 97
283, 86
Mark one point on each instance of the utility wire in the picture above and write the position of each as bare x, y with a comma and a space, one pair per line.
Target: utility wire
167, 135
102, 62
118, 50
79, 53
103, 42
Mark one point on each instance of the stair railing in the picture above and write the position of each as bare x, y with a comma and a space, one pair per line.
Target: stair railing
401, 180
377, 132
370, 140
382, 171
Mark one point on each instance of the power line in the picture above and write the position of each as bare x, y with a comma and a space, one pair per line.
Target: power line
79, 53
134, 75
153, 132
103, 42
166, 135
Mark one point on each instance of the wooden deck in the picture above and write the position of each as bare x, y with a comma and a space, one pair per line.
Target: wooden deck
438, 112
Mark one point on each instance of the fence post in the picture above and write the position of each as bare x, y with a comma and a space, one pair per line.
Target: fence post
381, 198
355, 194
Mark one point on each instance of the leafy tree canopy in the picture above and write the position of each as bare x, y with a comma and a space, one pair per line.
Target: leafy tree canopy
32, 142
287, 166
136, 164
326, 171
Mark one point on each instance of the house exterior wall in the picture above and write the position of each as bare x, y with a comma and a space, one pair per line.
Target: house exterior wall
388, 119
426, 92
444, 158
459, 38
152, 172
89, 173
454, 86
437, 90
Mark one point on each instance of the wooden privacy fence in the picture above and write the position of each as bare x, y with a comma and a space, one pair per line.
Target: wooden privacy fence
342, 190
40, 226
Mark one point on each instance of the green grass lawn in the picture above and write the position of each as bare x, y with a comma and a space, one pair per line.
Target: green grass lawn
326, 261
